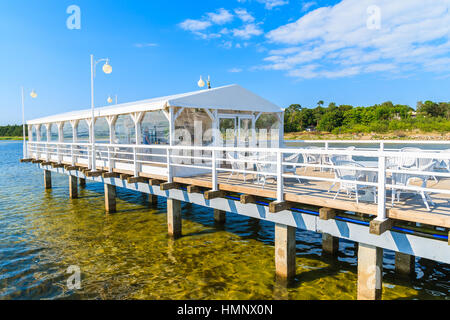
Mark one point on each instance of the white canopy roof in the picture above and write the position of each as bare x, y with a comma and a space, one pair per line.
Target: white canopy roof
232, 97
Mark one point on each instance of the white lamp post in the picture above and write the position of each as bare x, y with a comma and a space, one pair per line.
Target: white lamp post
201, 83
33, 94
110, 100
106, 69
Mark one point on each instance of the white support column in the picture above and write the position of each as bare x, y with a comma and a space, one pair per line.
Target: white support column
381, 188
171, 139
74, 124
60, 140
280, 182
47, 126
285, 247
281, 131
215, 186
112, 132
174, 217
370, 272
91, 137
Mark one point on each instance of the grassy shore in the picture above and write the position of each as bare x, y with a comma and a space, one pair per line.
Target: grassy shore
11, 138
400, 135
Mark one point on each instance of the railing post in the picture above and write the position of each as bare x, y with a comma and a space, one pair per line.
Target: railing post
46, 151
89, 155
169, 168
214, 171
381, 187
136, 169
109, 159
72, 156
280, 182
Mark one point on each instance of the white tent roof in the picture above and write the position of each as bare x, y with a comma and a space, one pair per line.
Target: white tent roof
232, 97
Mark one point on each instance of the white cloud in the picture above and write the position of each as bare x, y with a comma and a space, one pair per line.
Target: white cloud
195, 25
244, 15
247, 31
307, 5
145, 45
270, 4
221, 17
335, 41
235, 70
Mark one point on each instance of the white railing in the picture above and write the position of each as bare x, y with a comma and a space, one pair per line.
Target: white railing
262, 163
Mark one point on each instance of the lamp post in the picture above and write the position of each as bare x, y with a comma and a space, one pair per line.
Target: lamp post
110, 100
201, 83
33, 94
106, 69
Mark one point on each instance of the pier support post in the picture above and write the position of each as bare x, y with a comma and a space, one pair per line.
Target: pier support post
405, 264
330, 244
284, 251
73, 187
219, 216
82, 182
110, 198
370, 272
47, 179
174, 217
152, 199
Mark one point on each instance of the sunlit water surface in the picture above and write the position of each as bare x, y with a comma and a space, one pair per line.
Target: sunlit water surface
128, 255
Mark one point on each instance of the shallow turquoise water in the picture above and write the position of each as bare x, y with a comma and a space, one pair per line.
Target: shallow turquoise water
129, 256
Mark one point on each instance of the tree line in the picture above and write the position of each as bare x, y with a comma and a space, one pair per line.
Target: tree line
379, 118
429, 116
12, 131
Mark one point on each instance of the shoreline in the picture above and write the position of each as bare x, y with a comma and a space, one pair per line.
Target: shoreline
400, 136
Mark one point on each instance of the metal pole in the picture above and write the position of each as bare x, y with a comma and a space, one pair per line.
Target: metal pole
93, 117
23, 123
382, 187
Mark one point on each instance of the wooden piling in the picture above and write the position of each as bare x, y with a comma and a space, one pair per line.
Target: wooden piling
246, 199
110, 198
174, 217
370, 272
284, 251
405, 264
47, 179
219, 216
209, 195
193, 189
73, 187
330, 244
152, 199
327, 213
169, 185
275, 207
378, 227
82, 182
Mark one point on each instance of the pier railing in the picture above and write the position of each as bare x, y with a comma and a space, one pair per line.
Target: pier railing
281, 170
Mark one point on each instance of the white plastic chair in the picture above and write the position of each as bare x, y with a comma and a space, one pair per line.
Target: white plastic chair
446, 162
266, 171
236, 166
294, 159
310, 157
405, 179
352, 175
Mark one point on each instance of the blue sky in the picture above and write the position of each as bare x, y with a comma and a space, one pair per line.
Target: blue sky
288, 51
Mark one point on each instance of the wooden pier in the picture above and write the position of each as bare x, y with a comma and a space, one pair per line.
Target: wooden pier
223, 149
327, 221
